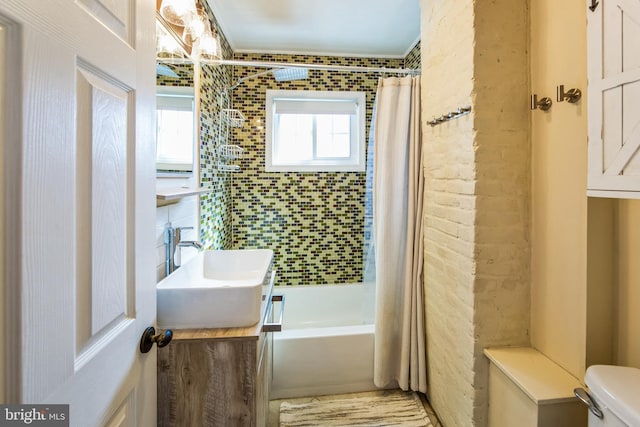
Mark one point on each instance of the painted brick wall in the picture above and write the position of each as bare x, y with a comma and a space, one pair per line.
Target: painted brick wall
502, 285
477, 192
449, 212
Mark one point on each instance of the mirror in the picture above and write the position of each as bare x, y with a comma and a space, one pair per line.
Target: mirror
178, 66
176, 106
175, 130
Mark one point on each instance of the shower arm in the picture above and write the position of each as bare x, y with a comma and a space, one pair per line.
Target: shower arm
239, 82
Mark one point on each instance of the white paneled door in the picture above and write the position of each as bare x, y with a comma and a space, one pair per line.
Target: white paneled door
614, 98
80, 160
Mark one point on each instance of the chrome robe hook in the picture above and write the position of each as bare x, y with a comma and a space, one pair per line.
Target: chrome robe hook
543, 104
572, 96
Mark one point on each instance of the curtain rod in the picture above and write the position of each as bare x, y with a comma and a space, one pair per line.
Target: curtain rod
355, 69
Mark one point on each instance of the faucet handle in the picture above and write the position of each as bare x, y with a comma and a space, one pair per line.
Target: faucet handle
178, 232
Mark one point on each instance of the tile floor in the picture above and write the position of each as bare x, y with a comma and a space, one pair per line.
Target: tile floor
274, 406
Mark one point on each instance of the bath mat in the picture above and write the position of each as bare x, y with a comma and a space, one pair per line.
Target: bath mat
387, 409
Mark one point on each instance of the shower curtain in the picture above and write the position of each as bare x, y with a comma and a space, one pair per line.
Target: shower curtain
369, 256
400, 336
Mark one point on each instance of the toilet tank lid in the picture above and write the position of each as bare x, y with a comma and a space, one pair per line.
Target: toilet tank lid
618, 388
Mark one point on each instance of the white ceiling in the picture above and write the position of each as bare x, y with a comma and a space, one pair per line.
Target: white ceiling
374, 28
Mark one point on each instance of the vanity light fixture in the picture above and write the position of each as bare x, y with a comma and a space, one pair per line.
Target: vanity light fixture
190, 23
178, 12
195, 27
167, 47
209, 46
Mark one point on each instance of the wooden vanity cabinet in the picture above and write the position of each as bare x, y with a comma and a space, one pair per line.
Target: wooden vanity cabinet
216, 377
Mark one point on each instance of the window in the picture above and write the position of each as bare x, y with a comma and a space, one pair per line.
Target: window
315, 131
175, 129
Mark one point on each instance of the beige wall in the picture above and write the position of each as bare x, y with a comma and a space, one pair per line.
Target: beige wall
600, 286
585, 293
559, 202
627, 335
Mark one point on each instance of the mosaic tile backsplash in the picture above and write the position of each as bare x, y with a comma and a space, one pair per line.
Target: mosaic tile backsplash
413, 58
215, 208
314, 222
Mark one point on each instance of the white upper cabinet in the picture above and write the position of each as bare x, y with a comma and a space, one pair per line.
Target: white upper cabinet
613, 31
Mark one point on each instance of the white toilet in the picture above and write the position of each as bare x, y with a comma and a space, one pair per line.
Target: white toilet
613, 397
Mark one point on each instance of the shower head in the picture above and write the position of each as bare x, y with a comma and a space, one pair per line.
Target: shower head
287, 74
165, 70
279, 74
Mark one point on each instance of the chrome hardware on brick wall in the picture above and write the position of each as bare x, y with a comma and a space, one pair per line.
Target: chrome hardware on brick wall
450, 116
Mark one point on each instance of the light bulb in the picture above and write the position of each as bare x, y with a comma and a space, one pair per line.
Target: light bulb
194, 29
167, 47
210, 46
178, 12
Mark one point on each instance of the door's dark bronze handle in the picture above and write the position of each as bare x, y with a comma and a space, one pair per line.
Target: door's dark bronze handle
149, 337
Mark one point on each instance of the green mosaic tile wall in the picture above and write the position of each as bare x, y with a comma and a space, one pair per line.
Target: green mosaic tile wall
215, 207
313, 221
216, 228
413, 59
185, 76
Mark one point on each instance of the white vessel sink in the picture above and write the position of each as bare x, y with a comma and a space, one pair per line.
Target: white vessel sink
216, 289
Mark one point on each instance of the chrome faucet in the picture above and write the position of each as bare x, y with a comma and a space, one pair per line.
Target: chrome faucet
190, 244
173, 242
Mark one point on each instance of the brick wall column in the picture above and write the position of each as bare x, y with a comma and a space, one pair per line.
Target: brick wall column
477, 194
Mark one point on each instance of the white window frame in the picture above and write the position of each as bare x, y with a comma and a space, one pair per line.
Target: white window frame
357, 161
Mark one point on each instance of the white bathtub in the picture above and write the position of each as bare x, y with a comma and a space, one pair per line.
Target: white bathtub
324, 347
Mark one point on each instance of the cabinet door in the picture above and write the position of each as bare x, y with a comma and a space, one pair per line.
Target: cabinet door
208, 382
613, 31
263, 383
